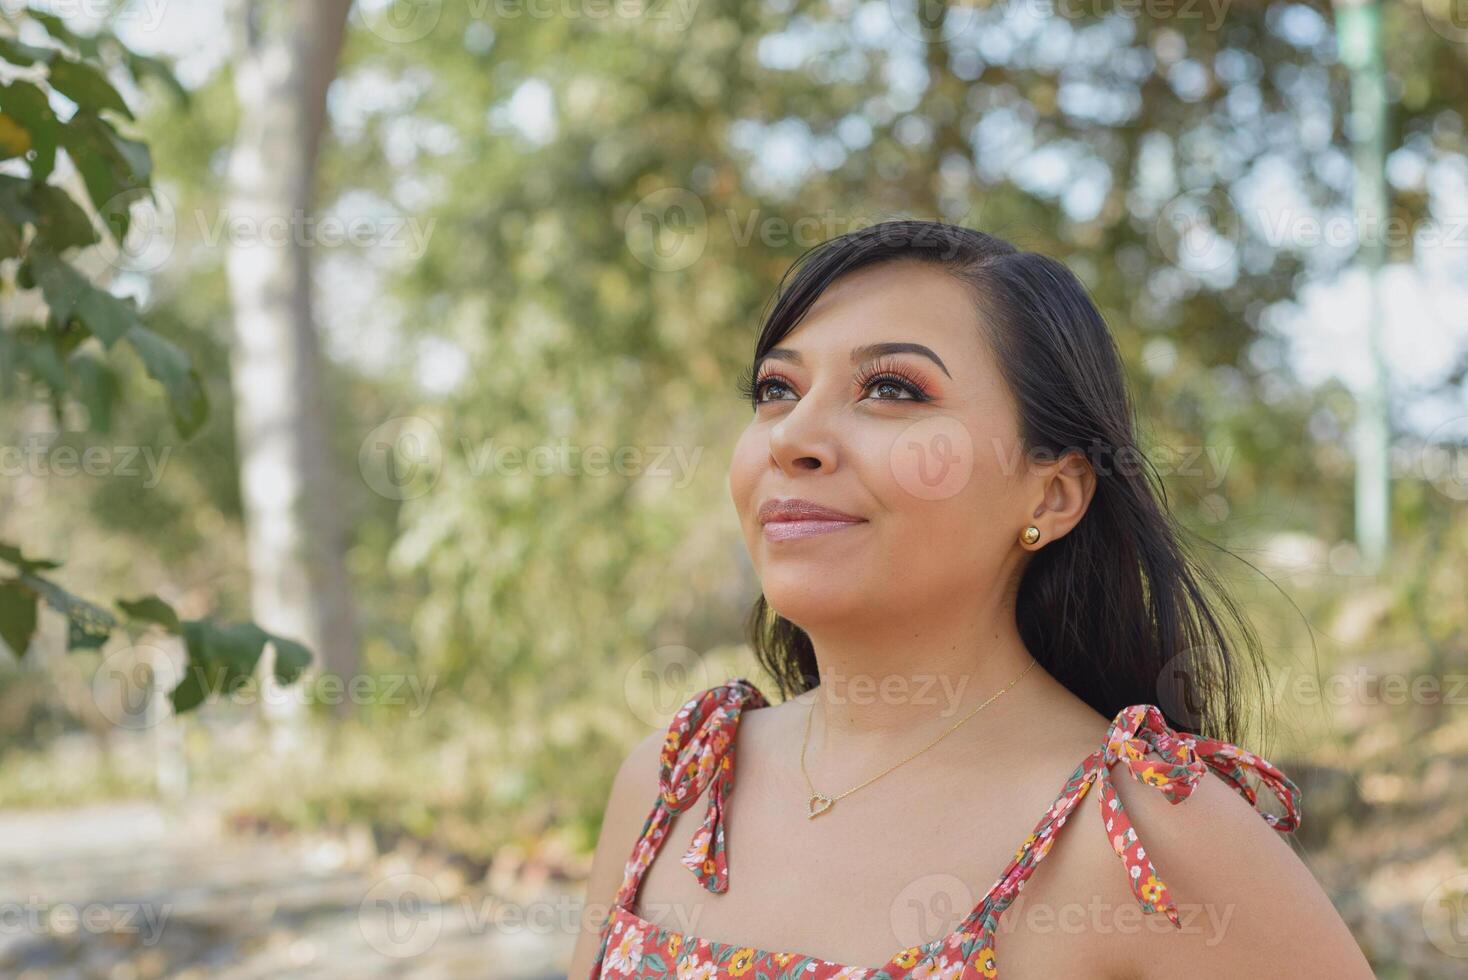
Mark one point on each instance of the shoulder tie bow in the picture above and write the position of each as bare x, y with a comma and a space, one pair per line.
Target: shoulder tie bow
1140, 729
698, 755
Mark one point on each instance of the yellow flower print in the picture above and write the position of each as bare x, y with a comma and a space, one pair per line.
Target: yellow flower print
1152, 777
741, 961
986, 964
783, 958
1021, 849
908, 957
675, 943
1152, 889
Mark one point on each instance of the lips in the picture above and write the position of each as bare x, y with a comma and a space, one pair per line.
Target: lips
782, 520
795, 509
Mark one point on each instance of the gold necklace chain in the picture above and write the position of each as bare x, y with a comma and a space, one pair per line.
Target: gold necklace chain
819, 802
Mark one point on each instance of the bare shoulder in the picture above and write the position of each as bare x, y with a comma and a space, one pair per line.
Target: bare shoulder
1247, 903
633, 793
634, 790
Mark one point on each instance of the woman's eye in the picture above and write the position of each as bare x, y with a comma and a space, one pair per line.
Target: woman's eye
763, 389
893, 389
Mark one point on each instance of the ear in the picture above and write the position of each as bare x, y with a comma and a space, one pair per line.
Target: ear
1065, 488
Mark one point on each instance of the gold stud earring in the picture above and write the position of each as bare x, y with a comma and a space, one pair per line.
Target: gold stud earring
1031, 535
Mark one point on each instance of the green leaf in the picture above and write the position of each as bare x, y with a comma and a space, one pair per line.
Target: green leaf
169, 366
17, 53
151, 609
221, 659
15, 200
110, 165
290, 659
87, 625
143, 67
39, 353
10, 554
238, 644
94, 385
17, 616
191, 691
110, 318
63, 224
29, 105
69, 294
86, 86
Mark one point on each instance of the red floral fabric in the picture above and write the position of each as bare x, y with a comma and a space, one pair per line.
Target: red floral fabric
698, 756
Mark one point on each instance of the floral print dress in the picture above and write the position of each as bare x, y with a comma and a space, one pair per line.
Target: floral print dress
698, 756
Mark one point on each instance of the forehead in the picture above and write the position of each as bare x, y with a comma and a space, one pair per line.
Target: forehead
895, 301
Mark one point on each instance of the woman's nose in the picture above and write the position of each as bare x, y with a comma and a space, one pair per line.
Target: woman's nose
804, 440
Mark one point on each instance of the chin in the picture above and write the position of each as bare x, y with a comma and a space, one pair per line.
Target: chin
812, 596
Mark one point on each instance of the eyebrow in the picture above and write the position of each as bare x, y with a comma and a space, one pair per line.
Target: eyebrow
866, 352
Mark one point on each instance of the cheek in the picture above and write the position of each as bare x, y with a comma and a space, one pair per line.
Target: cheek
952, 488
931, 459
745, 466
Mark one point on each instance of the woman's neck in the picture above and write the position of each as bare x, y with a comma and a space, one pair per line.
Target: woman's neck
920, 674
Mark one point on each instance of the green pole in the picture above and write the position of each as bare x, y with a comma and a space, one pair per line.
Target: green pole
1358, 33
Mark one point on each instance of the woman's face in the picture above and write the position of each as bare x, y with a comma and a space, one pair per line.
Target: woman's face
915, 449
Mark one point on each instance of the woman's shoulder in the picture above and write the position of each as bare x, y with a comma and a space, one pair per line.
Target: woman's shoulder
1184, 811
699, 734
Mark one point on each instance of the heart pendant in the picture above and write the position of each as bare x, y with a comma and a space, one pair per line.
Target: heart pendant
818, 805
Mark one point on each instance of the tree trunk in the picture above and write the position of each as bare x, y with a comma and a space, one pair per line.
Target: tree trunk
285, 57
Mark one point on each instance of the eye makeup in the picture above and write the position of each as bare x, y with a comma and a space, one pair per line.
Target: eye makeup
883, 372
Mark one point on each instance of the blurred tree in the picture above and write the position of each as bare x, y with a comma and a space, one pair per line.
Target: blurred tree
285, 56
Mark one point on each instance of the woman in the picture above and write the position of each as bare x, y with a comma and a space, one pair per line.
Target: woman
972, 597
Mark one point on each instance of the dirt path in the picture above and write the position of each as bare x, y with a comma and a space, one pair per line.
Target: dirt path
133, 892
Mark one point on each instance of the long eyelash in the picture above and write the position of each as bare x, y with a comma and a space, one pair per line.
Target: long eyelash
747, 385
750, 383
883, 370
